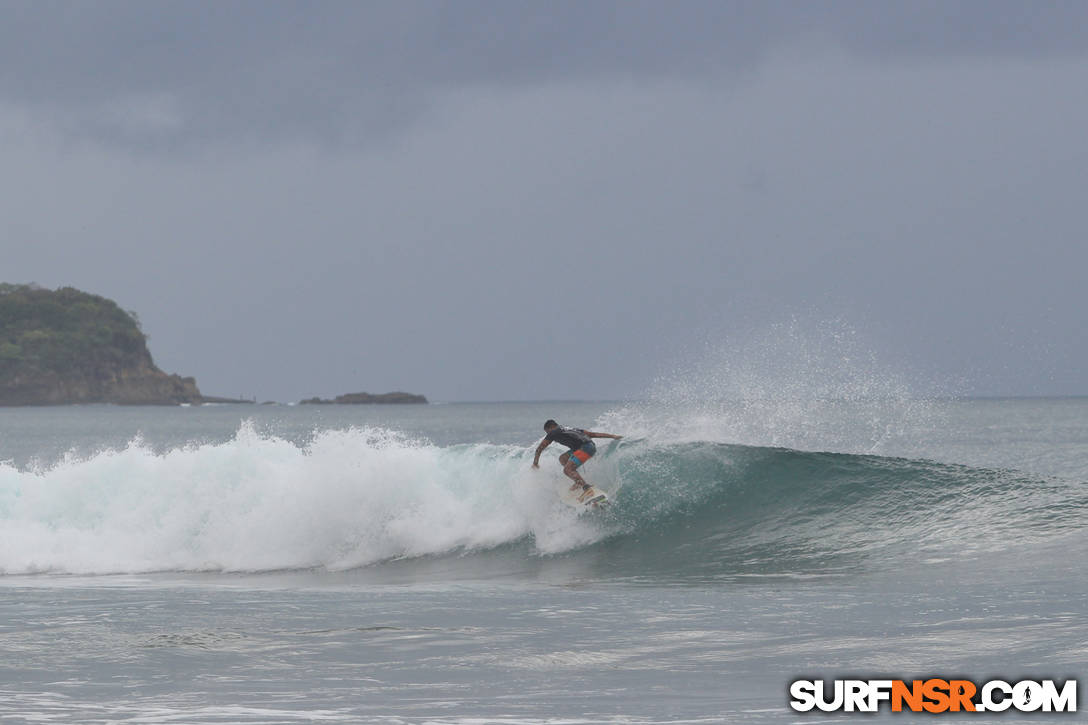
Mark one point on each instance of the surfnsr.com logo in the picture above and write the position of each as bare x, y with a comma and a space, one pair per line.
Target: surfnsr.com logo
934, 695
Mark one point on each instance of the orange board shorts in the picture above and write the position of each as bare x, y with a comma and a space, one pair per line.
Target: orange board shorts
583, 454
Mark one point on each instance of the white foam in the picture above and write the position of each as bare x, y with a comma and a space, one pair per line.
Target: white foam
350, 498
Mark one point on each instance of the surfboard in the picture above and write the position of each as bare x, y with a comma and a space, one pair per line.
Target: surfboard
596, 498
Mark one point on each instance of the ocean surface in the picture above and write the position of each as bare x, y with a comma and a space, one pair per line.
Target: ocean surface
405, 564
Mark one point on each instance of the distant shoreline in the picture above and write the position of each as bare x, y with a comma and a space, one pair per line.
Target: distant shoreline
395, 398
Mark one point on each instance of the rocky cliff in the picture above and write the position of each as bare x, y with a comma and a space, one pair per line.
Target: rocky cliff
64, 346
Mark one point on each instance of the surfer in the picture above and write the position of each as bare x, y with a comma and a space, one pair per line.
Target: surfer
581, 445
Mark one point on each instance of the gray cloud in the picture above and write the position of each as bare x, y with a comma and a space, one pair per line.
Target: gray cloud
553, 200
162, 75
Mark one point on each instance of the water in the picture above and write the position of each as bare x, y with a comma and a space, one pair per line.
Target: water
275, 564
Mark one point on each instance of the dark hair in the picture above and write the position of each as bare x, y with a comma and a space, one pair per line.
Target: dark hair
549, 423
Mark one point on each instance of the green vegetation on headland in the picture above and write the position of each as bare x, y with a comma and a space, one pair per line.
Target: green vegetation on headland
60, 347
66, 347
367, 398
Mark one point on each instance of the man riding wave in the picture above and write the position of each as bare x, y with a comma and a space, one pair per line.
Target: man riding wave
582, 448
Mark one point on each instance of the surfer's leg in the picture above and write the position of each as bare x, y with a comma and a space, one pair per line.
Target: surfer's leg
570, 467
570, 470
572, 473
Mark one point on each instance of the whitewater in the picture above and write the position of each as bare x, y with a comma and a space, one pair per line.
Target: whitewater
406, 564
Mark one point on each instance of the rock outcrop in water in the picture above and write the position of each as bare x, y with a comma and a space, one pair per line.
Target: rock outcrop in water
61, 347
367, 398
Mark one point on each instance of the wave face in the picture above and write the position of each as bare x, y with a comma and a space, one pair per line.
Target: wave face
711, 510
361, 497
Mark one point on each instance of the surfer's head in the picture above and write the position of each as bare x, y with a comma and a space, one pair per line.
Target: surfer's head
549, 424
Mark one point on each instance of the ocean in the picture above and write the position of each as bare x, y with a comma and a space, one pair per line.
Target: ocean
405, 564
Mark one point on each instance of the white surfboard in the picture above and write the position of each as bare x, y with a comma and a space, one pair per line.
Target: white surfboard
594, 498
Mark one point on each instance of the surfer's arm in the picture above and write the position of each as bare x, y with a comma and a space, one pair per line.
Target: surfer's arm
591, 434
540, 449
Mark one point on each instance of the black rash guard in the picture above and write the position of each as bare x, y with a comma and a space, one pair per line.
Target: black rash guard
572, 438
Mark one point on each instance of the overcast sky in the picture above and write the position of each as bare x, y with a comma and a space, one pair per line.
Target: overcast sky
556, 200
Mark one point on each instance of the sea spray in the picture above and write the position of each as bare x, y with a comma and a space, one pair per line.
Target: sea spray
800, 385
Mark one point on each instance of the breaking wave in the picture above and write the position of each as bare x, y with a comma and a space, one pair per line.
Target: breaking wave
369, 497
